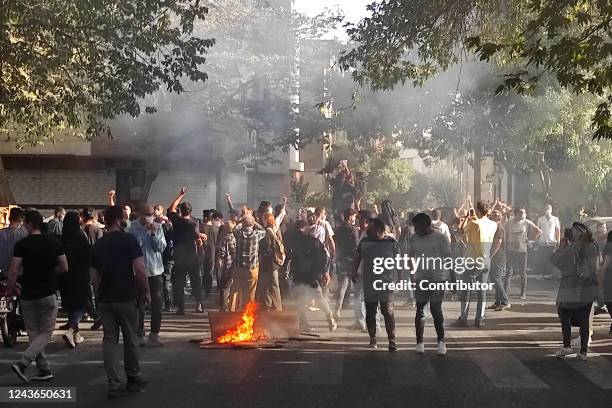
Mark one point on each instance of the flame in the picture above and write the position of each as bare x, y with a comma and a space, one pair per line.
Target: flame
243, 330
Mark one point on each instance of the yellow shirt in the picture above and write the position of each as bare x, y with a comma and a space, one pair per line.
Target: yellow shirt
479, 235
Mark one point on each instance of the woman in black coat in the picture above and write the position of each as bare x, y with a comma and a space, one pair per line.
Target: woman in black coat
73, 285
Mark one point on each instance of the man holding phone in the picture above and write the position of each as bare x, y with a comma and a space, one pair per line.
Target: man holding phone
119, 276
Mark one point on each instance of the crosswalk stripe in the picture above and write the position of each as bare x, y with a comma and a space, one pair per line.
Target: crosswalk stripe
320, 368
227, 370
500, 366
597, 369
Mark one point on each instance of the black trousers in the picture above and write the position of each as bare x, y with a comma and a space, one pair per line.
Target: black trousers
183, 268
156, 290
434, 298
386, 309
581, 318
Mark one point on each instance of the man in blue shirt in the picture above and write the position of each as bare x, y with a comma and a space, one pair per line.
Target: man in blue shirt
150, 237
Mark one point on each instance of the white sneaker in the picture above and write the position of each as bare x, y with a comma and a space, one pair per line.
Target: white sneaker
69, 338
576, 341
154, 341
441, 348
565, 351
582, 356
420, 348
78, 339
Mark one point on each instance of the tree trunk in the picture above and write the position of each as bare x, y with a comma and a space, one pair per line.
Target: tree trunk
6, 194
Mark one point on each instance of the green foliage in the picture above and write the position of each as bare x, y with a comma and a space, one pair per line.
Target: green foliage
387, 174
299, 191
71, 66
413, 40
433, 190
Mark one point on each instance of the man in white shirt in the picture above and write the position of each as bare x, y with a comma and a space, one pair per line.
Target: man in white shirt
439, 225
549, 240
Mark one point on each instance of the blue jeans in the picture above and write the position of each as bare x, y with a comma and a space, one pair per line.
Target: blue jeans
498, 269
359, 307
473, 276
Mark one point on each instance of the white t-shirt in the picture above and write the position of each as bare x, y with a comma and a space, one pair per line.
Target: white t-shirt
442, 228
548, 226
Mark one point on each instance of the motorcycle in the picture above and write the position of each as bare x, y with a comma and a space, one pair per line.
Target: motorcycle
11, 321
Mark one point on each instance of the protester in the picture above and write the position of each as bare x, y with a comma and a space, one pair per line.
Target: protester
309, 260
346, 240
167, 255
208, 250
246, 265
150, 237
42, 258
187, 240
9, 236
578, 289
549, 240
428, 243
54, 226
438, 224
74, 285
119, 275
271, 258
498, 264
376, 245
93, 233
390, 217
480, 232
226, 254
519, 231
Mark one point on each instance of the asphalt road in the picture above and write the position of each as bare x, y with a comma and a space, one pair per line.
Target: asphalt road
508, 363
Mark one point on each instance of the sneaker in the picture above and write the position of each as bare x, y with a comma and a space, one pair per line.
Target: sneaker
582, 356
78, 339
359, 326
64, 327
121, 392
441, 348
576, 342
420, 348
154, 341
523, 296
565, 351
136, 384
373, 343
501, 308
141, 341
43, 375
479, 323
97, 324
199, 308
494, 306
313, 308
333, 325
20, 369
69, 338
392, 346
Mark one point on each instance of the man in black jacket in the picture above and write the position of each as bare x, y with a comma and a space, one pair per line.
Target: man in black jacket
347, 239
308, 265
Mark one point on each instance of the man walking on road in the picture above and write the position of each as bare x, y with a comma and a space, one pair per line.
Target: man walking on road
119, 275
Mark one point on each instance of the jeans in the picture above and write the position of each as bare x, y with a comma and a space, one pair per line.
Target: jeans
91, 303
207, 278
245, 284
434, 298
498, 267
74, 317
517, 263
344, 283
268, 293
359, 308
124, 316
167, 283
181, 270
156, 290
472, 276
225, 287
582, 318
387, 312
39, 318
304, 294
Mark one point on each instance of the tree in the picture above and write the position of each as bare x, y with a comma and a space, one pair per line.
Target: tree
413, 40
72, 66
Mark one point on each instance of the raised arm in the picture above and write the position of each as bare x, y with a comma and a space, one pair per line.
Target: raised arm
177, 200
111, 198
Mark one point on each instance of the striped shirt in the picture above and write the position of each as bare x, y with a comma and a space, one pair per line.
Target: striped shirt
8, 238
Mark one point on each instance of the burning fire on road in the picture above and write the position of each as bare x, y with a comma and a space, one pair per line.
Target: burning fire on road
244, 330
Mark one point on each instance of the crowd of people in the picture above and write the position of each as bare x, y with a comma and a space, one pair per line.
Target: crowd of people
117, 265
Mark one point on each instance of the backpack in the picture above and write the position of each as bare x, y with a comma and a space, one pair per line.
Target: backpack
278, 248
